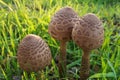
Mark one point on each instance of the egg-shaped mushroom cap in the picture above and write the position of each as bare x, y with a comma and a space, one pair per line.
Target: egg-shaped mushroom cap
33, 53
62, 23
88, 33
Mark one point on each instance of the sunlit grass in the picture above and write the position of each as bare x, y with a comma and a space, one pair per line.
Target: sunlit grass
21, 17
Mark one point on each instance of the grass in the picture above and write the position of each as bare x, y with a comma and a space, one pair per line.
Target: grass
21, 17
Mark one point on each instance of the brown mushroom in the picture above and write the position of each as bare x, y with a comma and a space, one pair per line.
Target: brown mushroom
33, 53
60, 28
88, 34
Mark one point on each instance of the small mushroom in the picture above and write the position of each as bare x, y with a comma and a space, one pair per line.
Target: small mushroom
60, 28
33, 53
88, 34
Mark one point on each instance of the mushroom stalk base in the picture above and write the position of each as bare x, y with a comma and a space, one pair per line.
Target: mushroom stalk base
85, 65
62, 60
38, 75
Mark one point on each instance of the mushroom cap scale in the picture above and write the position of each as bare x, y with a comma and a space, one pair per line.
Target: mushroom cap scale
33, 53
88, 33
91, 19
62, 23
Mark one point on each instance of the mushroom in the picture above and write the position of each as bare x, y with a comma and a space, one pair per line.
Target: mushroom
33, 53
60, 28
88, 34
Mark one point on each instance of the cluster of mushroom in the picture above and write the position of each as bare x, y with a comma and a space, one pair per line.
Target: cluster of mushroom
87, 32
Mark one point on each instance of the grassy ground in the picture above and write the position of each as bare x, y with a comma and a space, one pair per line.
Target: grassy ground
21, 17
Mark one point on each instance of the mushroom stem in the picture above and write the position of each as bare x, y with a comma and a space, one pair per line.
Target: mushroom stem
40, 76
62, 59
85, 65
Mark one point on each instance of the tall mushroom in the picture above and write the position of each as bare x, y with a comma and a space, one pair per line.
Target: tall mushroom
60, 28
88, 34
33, 53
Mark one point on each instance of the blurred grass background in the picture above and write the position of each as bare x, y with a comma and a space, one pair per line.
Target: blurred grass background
21, 17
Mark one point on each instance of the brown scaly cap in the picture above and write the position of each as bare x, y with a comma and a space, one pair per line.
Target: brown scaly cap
88, 33
33, 53
62, 23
